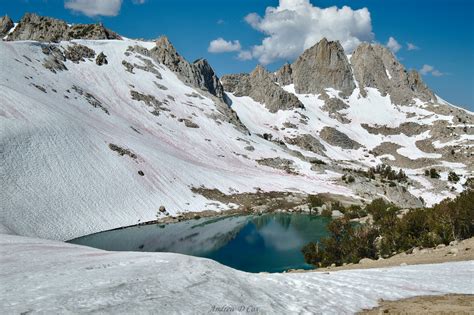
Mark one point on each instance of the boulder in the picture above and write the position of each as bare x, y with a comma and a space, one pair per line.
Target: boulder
101, 59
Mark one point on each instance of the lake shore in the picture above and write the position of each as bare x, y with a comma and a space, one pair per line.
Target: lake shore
457, 251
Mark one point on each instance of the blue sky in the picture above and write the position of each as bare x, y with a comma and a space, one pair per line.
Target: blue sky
441, 30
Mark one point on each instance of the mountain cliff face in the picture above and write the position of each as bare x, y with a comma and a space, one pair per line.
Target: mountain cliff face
99, 133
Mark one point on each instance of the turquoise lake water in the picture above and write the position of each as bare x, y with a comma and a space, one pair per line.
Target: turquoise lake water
269, 242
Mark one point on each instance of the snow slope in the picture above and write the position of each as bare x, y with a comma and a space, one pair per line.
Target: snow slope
41, 276
60, 180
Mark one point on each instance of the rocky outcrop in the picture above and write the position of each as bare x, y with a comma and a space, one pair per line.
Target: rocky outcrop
198, 74
324, 65
6, 24
278, 163
91, 31
284, 75
307, 142
337, 138
375, 66
101, 59
39, 28
77, 53
407, 128
260, 86
206, 79
54, 60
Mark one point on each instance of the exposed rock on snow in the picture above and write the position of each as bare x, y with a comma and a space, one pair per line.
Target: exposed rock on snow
78, 52
261, 87
307, 142
337, 138
101, 59
278, 163
407, 128
122, 151
40, 28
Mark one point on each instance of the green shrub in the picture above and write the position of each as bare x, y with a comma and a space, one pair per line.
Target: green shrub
453, 177
326, 213
314, 201
434, 173
427, 227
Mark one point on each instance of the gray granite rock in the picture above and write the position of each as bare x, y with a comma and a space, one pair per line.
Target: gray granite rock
77, 53
6, 24
375, 66
284, 75
40, 28
101, 59
324, 65
337, 138
307, 142
260, 86
198, 74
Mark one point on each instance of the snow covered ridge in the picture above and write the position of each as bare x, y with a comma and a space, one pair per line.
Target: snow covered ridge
42, 276
98, 134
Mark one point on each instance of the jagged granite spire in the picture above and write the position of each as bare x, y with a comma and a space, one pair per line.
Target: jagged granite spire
40, 28
260, 86
6, 24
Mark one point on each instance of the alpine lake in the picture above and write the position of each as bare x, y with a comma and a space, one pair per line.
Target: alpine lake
270, 242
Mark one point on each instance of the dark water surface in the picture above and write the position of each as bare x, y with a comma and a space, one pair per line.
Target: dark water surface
270, 242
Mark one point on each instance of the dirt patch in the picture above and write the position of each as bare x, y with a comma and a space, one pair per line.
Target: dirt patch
443, 304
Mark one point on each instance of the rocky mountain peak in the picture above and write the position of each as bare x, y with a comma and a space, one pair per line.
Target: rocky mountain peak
377, 67
322, 66
40, 28
6, 24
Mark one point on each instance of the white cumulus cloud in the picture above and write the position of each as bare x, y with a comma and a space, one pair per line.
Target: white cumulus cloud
221, 45
244, 55
94, 7
428, 69
393, 45
411, 46
296, 25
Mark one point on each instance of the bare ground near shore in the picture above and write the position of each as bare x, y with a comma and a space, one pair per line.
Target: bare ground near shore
441, 304
461, 251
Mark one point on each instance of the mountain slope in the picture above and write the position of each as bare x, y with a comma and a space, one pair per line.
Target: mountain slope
99, 133
61, 178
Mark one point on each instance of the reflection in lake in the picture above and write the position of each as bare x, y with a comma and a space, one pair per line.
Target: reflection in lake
270, 242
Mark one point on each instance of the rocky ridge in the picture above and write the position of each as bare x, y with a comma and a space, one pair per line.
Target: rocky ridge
46, 29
